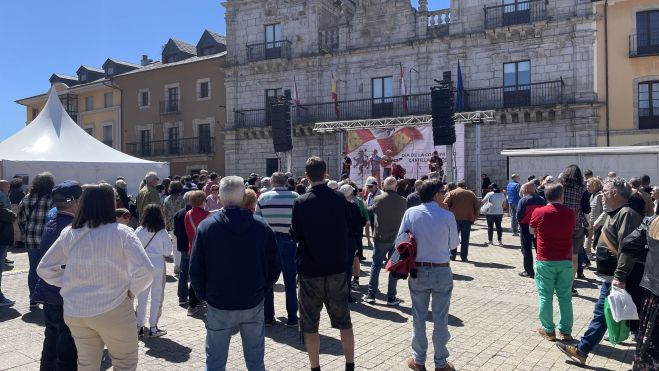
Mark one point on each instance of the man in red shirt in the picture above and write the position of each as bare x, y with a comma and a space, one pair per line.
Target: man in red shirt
192, 220
553, 226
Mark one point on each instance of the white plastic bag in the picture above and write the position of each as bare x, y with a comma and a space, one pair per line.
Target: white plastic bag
622, 306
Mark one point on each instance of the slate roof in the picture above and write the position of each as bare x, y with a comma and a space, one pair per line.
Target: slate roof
64, 77
158, 64
123, 63
217, 37
93, 69
184, 47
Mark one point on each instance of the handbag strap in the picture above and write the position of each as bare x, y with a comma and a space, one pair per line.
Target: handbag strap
150, 239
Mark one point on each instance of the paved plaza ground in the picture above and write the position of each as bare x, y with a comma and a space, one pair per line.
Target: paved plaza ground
493, 321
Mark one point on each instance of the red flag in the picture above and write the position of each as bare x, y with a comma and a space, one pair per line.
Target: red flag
403, 88
335, 97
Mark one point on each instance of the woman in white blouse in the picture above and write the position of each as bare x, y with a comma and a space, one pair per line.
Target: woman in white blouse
155, 239
213, 202
99, 266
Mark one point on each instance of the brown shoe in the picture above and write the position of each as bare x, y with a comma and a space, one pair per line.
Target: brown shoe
551, 336
565, 337
411, 363
572, 352
448, 367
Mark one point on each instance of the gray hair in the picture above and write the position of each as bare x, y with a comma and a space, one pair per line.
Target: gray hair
150, 175
554, 192
390, 184
278, 179
232, 191
186, 198
621, 186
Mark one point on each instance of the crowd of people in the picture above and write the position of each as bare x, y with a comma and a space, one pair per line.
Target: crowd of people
97, 258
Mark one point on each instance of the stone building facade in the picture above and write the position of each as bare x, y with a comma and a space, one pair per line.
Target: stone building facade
545, 98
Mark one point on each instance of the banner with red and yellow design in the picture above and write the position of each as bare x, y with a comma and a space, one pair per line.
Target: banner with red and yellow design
411, 147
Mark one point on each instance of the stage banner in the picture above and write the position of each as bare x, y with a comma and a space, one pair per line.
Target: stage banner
411, 146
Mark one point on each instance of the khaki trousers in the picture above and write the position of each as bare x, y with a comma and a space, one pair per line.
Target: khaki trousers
116, 329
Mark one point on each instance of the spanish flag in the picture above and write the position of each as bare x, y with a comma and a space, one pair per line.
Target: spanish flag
335, 97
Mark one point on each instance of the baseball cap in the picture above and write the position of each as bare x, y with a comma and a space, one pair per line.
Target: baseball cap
372, 182
346, 189
67, 191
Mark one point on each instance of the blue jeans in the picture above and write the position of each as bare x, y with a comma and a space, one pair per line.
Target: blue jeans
527, 248
597, 325
464, 230
59, 350
512, 209
380, 253
3, 256
286, 248
438, 283
220, 324
183, 276
34, 256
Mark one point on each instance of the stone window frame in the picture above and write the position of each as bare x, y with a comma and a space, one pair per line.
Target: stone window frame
198, 85
635, 83
202, 121
166, 93
638, 9
139, 98
114, 136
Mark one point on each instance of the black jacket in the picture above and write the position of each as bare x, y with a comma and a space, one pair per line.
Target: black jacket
320, 225
43, 291
182, 242
7, 218
356, 227
234, 260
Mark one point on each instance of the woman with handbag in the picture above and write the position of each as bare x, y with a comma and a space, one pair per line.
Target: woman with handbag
157, 244
492, 208
105, 266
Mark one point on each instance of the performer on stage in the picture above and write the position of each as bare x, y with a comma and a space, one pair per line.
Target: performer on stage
386, 162
398, 171
347, 163
435, 159
374, 162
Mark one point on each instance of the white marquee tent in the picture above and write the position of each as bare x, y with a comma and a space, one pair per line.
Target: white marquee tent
53, 142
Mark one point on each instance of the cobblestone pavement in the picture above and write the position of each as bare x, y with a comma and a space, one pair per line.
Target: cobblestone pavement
493, 318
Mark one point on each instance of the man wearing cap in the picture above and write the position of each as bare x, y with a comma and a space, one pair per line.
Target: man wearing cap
373, 191
59, 351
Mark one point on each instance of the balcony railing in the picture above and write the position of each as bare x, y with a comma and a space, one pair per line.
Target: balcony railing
170, 107
536, 94
520, 12
527, 95
269, 50
174, 147
644, 44
439, 20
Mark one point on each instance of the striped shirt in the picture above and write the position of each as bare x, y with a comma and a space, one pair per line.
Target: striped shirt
276, 207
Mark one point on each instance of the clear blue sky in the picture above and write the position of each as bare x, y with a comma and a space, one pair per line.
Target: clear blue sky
42, 37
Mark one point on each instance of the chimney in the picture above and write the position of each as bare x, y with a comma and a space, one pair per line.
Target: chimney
145, 60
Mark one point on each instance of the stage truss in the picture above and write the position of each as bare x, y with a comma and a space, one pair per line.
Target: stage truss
344, 125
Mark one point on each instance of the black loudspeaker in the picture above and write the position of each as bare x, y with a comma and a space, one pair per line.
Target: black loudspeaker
443, 123
280, 121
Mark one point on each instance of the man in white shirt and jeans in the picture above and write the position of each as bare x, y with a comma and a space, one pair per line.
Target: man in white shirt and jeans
435, 231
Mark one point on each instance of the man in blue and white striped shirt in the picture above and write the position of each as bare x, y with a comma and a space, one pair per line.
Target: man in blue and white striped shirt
276, 207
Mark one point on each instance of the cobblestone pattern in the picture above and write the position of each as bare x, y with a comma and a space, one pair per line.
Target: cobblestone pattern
492, 321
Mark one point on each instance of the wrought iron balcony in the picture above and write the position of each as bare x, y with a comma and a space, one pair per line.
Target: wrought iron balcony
520, 12
535, 94
174, 147
644, 44
269, 50
527, 95
170, 107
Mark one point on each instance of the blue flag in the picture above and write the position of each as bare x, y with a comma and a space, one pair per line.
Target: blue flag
459, 104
